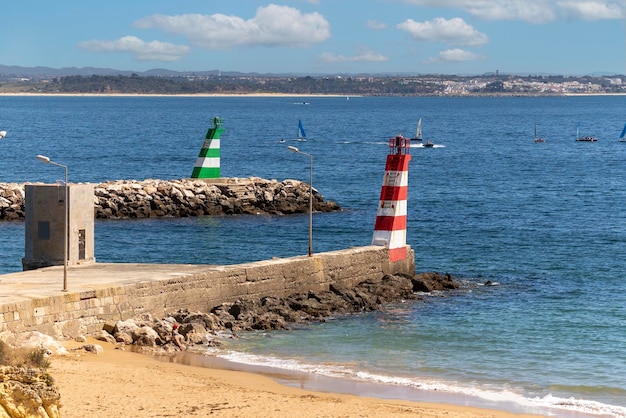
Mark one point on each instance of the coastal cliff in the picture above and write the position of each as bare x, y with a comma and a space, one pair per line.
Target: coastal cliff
185, 197
28, 392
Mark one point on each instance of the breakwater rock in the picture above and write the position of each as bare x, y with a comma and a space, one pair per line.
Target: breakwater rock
249, 314
154, 335
11, 201
185, 197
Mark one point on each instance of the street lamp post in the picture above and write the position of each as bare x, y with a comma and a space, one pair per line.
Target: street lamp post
47, 160
296, 150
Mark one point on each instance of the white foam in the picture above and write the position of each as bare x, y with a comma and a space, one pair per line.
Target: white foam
422, 146
547, 405
584, 406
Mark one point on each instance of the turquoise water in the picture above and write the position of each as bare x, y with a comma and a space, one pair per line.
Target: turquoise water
545, 221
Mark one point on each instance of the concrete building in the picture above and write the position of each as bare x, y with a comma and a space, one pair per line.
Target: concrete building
45, 225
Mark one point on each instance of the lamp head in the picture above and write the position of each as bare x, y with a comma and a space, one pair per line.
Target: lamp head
43, 158
293, 149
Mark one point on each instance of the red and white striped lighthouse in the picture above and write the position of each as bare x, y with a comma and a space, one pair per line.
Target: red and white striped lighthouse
390, 227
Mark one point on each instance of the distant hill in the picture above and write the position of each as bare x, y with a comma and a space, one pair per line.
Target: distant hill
47, 72
38, 73
7, 71
91, 80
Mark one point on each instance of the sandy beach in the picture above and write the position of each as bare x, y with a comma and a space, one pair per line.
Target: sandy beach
119, 383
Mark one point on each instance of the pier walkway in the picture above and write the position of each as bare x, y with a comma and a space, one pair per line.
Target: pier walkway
48, 282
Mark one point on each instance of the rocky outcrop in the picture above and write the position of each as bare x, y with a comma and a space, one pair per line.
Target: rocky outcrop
186, 197
269, 312
246, 314
28, 392
432, 281
156, 336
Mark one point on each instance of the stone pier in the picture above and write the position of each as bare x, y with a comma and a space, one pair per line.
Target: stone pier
99, 292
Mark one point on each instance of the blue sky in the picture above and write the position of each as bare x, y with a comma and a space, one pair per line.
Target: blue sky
572, 37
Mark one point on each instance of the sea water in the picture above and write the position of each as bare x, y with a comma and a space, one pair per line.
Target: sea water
545, 222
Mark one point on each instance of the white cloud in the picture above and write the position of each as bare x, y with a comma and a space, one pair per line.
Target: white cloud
272, 26
458, 55
533, 11
141, 50
372, 24
453, 31
590, 9
363, 55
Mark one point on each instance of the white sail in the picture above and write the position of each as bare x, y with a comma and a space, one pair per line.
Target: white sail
418, 133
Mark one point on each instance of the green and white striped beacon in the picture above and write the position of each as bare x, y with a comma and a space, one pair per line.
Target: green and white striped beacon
208, 162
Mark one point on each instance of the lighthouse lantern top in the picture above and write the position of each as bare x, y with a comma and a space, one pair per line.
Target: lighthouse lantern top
399, 145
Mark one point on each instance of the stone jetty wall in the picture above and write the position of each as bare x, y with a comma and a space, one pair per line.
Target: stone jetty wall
90, 303
185, 197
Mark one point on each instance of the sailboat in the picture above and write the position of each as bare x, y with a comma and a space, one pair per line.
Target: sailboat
587, 138
418, 138
418, 132
621, 136
301, 136
538, 139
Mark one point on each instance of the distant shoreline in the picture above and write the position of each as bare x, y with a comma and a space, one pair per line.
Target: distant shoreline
174, 95
297, 95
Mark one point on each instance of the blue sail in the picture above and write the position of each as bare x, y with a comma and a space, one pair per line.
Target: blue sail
301, 133
621, 136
